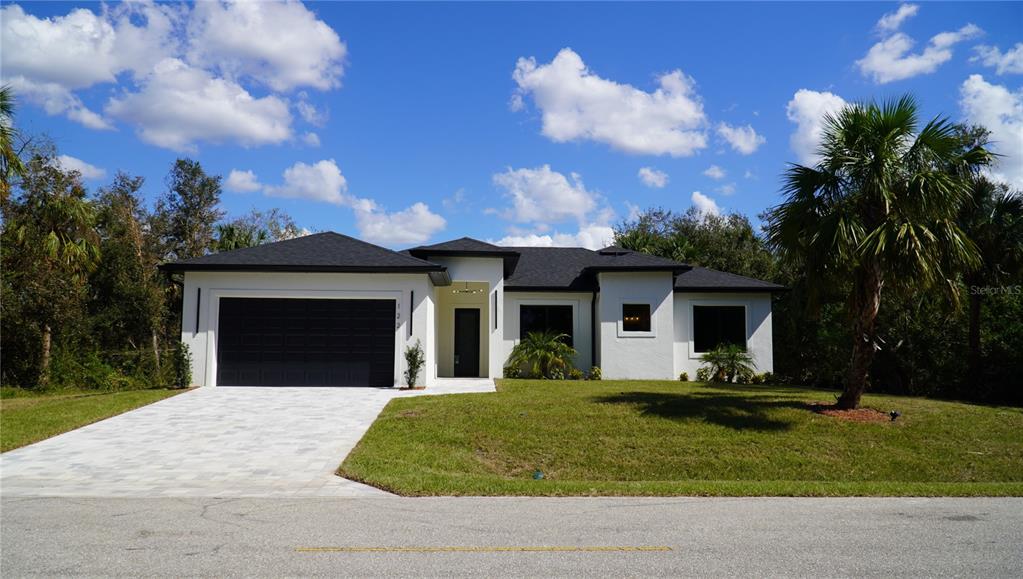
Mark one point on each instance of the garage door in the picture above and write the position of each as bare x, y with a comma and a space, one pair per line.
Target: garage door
300, 342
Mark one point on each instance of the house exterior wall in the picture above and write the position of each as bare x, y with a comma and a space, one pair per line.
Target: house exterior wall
581, 330
636, 355
758, 328
203, 290
487, 270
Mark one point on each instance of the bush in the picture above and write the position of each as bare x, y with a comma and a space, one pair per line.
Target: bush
683, 377
576, 374
730, 362
512, 372
703, 374
594, 373
181, 363
414, 362
545, 354
88, 371
556, 374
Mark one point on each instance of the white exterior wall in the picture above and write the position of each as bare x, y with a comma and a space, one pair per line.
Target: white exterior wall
215, 285
628, 355
758, 328
487, 270
581, 328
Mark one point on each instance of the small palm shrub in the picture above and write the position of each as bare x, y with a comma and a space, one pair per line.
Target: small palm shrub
542, 354
576, 374
683, 377
414, 362
594, 373
730, 362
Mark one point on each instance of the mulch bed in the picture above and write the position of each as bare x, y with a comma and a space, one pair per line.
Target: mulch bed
857, 415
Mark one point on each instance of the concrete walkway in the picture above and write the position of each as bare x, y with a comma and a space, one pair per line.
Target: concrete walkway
222, 442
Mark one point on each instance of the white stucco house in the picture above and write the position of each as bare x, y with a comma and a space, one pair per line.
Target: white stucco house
331, 310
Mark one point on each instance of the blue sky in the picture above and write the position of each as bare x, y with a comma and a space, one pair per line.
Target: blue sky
521, 123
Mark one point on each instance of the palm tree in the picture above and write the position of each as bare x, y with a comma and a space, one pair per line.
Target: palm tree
878, 210
728, 362
232, 236
542, 353
10, 162
994, 222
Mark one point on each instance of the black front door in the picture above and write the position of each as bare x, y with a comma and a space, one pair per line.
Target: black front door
305, 342
467, 342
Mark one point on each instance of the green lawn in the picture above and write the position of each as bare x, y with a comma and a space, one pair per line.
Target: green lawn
26, 418
671, 438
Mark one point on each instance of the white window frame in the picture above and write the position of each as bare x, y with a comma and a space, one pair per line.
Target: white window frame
621, 315
693, 354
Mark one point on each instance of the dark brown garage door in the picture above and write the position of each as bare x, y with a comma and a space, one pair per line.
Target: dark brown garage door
300, 342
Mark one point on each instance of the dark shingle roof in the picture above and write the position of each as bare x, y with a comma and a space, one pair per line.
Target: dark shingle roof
462, 245
703, 279
573, 268
327, 251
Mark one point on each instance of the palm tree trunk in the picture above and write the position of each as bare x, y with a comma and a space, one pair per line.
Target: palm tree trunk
44, 366
156, 349
974, 339
866, 301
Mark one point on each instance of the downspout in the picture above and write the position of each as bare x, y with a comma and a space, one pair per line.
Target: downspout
593, 329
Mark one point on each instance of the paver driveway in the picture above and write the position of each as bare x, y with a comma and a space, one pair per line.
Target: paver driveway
209, 442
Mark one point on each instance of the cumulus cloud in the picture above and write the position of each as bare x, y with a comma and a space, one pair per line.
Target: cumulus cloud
309, 112
807, 109
87, 171
653, 178
180, 70
890, 59
1000, 110
590, 236
576, 104
1009, 62
726, 189
412, 225
311, 139
704, 204
179, 105
543, 195
715, 172
891, 21
281, 45
321, 181
744, 140
242, 182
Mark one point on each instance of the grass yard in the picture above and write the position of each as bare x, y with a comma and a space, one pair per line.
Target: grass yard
25, 419
672, 438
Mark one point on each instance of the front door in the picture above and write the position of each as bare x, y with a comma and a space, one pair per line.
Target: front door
467, 342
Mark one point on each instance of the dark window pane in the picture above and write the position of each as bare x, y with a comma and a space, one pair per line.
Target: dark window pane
636, 317
714, 326
556, 319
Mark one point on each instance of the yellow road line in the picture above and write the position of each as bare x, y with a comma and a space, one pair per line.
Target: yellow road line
525, 549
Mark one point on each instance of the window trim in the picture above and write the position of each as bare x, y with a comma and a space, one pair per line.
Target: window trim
620, 314
693, 354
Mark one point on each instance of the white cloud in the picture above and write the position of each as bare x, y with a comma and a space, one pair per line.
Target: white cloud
321, 181
412, 225
311, 139
743, 140
704, 204
543, 195
807, 109
715, 172
891, 21
634, 211
309, 112
1000, 110
179, 106
590, 236
281, 45
242, 182
726, 189
86, 170
577, 104
653, 178
1010, 62
890, 60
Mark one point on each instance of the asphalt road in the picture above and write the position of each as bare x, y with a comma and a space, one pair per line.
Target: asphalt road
679, 536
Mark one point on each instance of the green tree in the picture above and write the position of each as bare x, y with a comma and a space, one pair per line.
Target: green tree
238, 235
187, 213
10, 160
542, 352
50, 246
879, 210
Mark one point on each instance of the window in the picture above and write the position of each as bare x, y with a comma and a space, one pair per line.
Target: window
556, 319
714, 326
635, 317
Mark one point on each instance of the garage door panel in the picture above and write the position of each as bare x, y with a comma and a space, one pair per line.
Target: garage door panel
305, 342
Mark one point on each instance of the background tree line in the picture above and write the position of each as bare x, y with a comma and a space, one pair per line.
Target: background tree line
904, 261
83, 304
